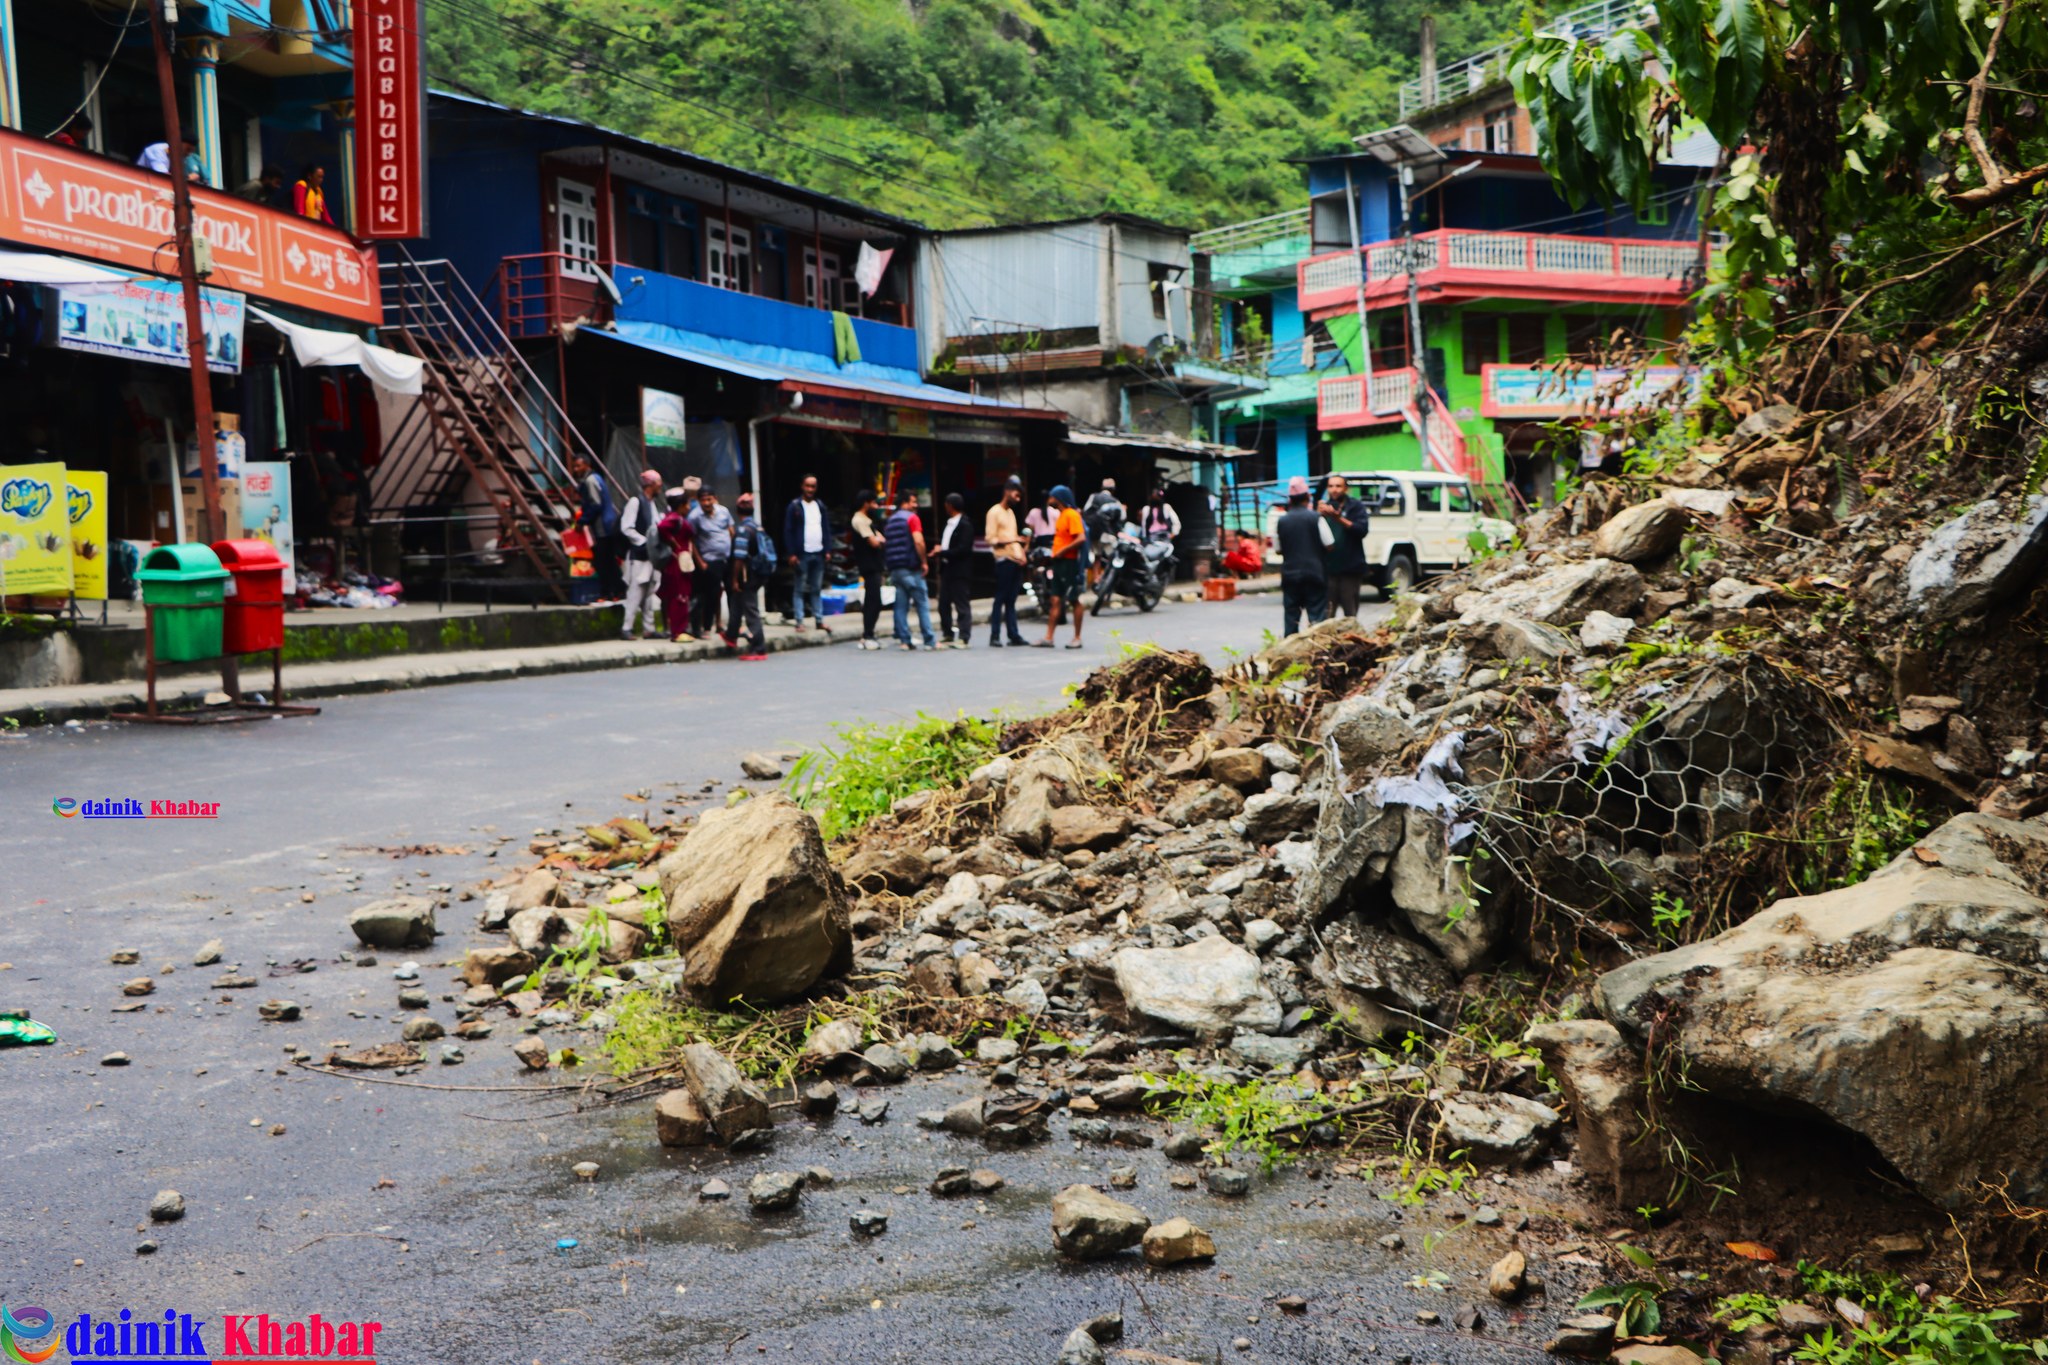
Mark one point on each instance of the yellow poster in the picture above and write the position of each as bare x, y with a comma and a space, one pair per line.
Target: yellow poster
87, 512
35, 542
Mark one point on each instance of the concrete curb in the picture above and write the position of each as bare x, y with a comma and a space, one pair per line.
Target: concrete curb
391, 673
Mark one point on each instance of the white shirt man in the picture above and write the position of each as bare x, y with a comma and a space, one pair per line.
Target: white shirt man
814, 527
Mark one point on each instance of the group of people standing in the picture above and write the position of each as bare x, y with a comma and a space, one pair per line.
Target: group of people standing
679, 550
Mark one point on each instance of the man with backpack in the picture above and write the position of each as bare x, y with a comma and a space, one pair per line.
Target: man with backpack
905, 556
645, 551
753, 561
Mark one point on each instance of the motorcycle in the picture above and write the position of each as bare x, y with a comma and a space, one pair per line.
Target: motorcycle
1138, 569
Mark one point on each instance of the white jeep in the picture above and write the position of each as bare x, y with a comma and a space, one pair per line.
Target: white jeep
1421, 524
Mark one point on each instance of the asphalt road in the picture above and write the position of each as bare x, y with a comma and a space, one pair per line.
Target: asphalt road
437, 1212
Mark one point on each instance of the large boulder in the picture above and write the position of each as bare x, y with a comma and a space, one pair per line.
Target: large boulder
1557, 596
1602, 1078
399, 922
1366, 733
1210, 987
1646, 531
1911, 1008
753, 906
1376, 982
1088, 1225
1978, 559
1355, 842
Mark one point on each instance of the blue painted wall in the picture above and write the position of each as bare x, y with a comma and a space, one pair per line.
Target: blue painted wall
1294, 435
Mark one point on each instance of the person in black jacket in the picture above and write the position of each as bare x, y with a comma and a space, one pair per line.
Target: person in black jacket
806, 536
956, 565
1349, 521
1303, 536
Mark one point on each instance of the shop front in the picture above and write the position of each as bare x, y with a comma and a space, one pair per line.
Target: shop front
92, 335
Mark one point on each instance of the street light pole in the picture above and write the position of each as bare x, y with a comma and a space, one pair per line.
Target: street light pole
210, 527
1417, 354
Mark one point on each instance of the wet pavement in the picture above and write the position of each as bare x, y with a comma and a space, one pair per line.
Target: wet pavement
437, 1212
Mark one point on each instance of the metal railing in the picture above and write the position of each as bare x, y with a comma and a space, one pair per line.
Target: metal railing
1333, 277
1252, 232
1476, 72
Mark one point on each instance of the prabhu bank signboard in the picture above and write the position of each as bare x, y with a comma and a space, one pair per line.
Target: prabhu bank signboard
391, 119
86, 205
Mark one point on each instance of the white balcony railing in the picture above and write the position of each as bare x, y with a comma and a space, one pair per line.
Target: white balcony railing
1251, 233
1461, 78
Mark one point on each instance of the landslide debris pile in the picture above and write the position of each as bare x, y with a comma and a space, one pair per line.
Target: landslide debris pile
1706, 782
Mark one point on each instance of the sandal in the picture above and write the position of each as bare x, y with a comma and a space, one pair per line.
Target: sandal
1073, 644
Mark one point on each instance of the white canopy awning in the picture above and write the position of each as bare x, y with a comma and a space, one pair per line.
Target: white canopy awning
387, 369
39, 267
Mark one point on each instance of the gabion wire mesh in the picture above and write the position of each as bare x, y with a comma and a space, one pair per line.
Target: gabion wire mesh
1673, 793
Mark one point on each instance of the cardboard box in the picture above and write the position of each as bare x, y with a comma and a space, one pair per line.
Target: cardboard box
193, 494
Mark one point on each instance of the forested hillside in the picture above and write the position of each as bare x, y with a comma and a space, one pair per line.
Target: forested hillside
965, 111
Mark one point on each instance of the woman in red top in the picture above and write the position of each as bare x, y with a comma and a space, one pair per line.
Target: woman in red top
674, 530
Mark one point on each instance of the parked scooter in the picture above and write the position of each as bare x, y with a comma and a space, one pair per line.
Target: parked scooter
1141, 570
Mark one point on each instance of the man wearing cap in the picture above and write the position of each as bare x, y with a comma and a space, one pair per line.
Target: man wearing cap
1303, 535
1069, 536
1006, 542
905, 557
743, 604
640, 524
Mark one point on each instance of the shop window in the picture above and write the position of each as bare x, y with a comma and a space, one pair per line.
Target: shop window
1480, 340
1526, 345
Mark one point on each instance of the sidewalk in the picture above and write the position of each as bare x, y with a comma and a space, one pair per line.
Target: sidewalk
306, 681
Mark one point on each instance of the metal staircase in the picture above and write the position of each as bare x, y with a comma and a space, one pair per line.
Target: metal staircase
486, 444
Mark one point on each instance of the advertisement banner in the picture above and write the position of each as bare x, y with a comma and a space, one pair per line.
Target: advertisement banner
1539, 391
86, 510
661, 420
391, 118
35, 539
72, 201
145, 320
267, 511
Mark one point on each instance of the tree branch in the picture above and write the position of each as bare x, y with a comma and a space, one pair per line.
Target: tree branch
1998, 185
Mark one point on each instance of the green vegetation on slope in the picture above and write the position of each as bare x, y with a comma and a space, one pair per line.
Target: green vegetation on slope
956, 112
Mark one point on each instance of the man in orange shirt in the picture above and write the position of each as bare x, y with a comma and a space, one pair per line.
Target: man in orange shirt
1068, 536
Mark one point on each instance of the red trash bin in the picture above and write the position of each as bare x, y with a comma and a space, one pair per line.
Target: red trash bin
255, 596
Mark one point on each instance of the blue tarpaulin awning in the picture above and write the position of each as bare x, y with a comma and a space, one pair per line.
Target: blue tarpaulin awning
859, 380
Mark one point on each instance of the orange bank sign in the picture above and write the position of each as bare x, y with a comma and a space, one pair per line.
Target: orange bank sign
79, 203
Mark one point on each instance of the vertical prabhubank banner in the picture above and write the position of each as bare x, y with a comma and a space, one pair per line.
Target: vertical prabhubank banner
391, 118
35, 530
86, 510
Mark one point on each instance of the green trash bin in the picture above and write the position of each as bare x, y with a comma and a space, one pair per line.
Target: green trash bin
189, 581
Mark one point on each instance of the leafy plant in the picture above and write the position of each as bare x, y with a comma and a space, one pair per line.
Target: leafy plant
1862, 823
1900, 1326
874, 766
1249, 1116
1669, 915
1634, 1303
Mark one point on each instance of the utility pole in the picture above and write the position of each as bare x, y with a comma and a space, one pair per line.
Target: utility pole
1417, 353
161, 17
212, 527
1358, 255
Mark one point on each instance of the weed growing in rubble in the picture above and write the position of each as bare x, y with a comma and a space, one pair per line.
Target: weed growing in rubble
1862, 824
1669, 915
875, 766
1249, 1117
1899, 1325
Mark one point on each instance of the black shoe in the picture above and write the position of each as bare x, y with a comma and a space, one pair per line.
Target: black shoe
1020, 642
995, 644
